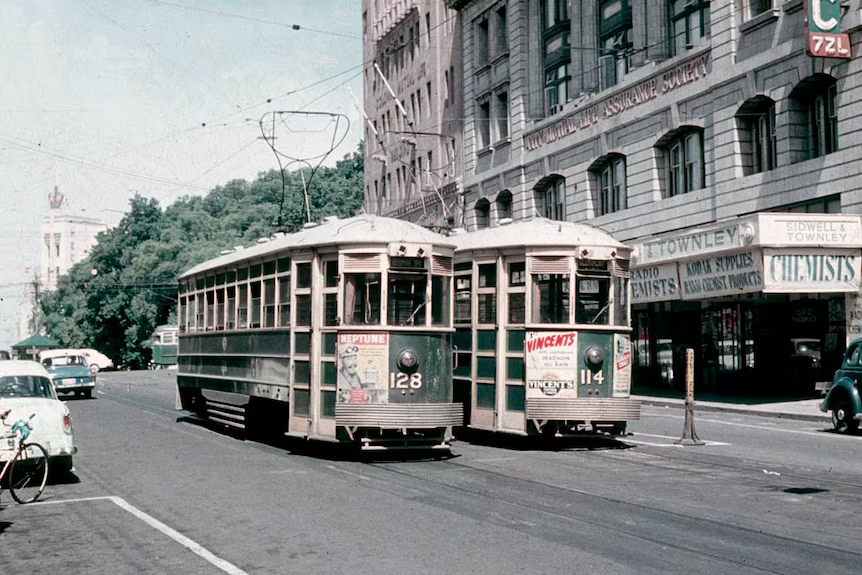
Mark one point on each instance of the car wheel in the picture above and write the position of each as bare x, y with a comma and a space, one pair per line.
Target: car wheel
88, 393
94, 367
842, 415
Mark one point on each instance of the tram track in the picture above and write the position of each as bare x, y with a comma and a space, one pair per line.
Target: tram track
712, 534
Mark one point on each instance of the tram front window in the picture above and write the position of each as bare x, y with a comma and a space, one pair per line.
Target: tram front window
407, 298
592, 305
439, 300
550, 298
362, 299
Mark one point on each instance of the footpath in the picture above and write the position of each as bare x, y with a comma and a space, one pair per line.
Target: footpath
806, 409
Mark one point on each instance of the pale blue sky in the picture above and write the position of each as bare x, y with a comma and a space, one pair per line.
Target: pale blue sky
106, 98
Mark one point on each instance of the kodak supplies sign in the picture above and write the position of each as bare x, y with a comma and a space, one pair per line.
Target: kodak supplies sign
552, 364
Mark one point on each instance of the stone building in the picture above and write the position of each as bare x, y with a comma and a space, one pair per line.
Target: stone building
413, 155
706, 135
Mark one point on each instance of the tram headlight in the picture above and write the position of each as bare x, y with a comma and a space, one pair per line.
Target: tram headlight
594, 357
408, 360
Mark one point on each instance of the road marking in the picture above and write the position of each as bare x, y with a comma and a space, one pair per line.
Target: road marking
764, 427
665, 437
195, 548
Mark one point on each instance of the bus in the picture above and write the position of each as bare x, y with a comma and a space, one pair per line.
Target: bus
339, 332
165, 344
543, 336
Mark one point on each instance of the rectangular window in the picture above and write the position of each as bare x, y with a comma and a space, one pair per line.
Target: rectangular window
483, 123
269, 303
675, 176
440, 300
482, 39
243, 306
463, 299
502, 116
428, 98
550, 298
284, 301
501, 33
693, 162
303, 310
255, 304
231, 307
362, 299
407, 298
592, 299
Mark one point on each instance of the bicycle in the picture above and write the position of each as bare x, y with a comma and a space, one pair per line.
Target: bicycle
28, 467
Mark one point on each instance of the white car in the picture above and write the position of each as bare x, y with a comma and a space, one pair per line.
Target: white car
95, 359
25, 389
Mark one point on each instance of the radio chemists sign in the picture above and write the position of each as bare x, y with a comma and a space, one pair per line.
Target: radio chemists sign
823, 37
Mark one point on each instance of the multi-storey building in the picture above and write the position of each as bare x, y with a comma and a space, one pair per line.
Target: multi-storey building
704, 134
412, 101
67, 239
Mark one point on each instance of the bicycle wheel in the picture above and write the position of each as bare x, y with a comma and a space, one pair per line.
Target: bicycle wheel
28, 473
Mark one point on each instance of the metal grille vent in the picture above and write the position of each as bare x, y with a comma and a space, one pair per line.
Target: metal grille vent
441, 265
549, 265
621, 268
362, 262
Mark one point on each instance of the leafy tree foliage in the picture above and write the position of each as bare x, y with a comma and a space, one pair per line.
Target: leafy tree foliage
113, 300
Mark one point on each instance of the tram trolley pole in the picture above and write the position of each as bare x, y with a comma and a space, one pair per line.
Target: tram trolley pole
689, 435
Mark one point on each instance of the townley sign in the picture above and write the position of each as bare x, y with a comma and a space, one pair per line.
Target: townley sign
769, 253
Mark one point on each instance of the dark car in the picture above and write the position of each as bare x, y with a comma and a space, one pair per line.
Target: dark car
842, 398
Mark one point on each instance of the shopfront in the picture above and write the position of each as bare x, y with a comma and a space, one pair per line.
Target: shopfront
761, 299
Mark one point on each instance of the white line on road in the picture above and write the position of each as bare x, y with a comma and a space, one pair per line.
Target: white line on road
195, 548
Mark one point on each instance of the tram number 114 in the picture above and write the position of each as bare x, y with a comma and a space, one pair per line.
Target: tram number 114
403, 380
588, 377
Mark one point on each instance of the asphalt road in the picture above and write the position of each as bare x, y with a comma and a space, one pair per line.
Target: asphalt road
157, 493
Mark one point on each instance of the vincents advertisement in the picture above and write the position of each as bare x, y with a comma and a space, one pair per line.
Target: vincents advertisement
552, 364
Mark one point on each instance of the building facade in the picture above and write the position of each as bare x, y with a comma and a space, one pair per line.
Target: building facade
705, 135
412, 104
66, 240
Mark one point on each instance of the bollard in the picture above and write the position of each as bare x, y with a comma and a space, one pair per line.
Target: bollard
689, 435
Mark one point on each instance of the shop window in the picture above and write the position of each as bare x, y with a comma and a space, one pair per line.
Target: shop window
609, 176
550, 198
689, 24
756, 122
615, 40
684, 162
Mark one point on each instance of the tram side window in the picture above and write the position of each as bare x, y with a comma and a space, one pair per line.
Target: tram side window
407, 298
362, 299
440, 300
220, 309
621, 301
182, 314
255, 304
517, 297
486, 297
550, 298
592, 301
242, 319
231, 307
463, 299
269, 303
284, 301
199, 319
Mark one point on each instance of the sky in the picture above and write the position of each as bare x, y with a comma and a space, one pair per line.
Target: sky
106, 99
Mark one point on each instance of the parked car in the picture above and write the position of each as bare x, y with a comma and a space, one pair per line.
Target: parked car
25, 389
96, 359
842, 398
69, 372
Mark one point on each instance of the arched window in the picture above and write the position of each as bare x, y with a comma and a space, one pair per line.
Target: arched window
550, 197
615, 41
813, 117
504, 205
609, 177
683, 160
756, 123
482, 211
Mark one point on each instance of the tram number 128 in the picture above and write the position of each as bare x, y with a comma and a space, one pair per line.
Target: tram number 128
403, 380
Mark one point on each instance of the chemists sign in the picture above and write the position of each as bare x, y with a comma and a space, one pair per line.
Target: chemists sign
730, 274
811, 271
823, 37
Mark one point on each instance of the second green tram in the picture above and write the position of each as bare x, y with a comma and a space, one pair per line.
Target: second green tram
339, 332
543, 336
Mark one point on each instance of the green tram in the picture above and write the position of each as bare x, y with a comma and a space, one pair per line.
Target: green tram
543, 340
339, 332
164, 343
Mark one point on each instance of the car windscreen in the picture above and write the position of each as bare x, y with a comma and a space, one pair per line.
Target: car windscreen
65, 360
25, 386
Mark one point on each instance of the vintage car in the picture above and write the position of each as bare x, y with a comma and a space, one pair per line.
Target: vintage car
95, 359
70, 372
26, 390
842, 397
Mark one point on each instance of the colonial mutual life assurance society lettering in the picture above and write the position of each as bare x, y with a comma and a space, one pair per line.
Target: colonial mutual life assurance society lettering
651, 89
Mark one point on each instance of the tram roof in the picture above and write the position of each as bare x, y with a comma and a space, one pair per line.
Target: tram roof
538, 232
361, 230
